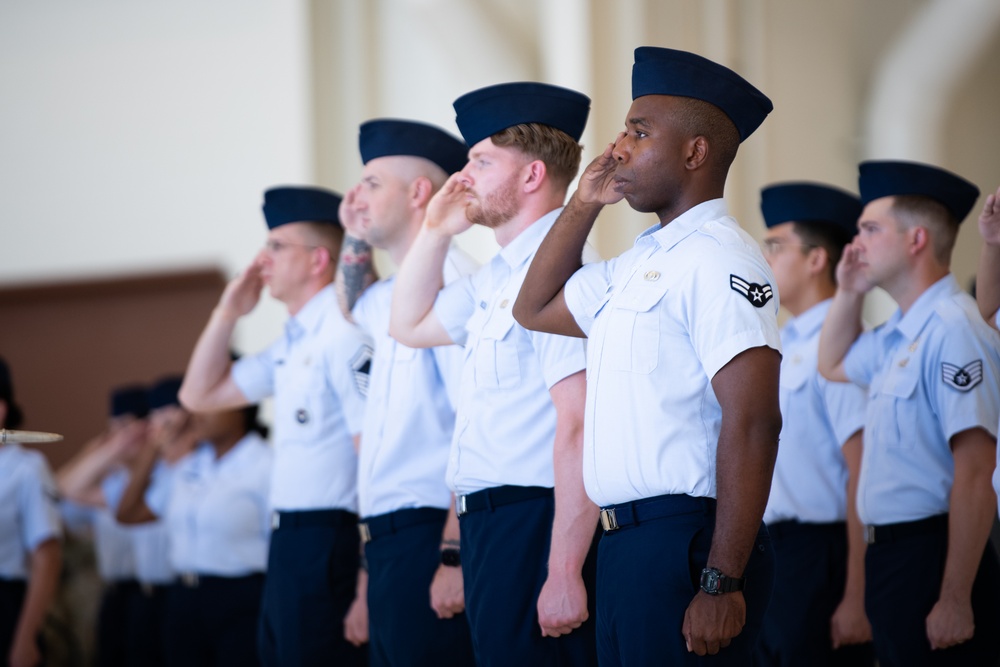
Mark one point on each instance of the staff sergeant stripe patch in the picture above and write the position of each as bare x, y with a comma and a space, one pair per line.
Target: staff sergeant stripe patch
963, 378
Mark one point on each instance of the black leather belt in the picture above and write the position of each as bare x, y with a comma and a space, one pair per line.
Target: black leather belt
618, 516
195, 580
782, 529
487, 499
381, 525
302, 518
891, 532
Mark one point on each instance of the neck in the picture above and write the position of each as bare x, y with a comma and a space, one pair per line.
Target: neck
687, 201
811, 294
224, 443
906, 289
529, 213
398, 248
299, 301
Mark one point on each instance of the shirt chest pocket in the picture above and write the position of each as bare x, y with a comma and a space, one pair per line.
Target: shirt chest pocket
496, 360
895, 408
632, 341
303, 403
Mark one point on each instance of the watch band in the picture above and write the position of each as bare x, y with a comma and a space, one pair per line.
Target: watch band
714, 582
451, 557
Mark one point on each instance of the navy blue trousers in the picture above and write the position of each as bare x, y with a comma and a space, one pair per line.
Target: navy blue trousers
145, 608
11, 600
113, 629
312, 571
647, 575
902, 583
811, 562
213, 624
403, 629
505, 554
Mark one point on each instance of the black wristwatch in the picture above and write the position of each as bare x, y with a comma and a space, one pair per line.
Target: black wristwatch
714, 582
451, 557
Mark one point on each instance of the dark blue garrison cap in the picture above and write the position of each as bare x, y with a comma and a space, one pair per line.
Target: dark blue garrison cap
129, 400
810, 202
879, 179
484, 112
387, 136
300, 204
659, 71
164, 392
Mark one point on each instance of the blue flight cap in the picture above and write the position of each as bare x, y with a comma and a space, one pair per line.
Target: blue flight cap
484, 112
810, 202
877, 179
130, 400
164, 392
300, 204
659, 71
387, 136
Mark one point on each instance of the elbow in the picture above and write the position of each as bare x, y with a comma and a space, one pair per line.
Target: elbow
522, 314
189, 398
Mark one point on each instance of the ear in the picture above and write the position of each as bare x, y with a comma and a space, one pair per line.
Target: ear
817, 260
919, 239
420, 192
322, 260
697, 153
534, 175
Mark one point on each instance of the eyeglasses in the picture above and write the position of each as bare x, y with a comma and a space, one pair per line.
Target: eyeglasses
276, 247
773, 246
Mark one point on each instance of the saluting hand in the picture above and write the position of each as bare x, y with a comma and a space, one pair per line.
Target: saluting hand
243, 292
851, 270
597, 183
562, 604
350, 217
711, 621
989, 219
950, 623
446, 209
448, 592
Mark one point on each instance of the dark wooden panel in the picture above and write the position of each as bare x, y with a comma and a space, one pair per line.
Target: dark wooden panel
69, 343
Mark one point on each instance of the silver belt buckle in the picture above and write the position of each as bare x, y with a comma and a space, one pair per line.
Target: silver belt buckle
869, 534
275, 520
366, 533
608, 520
189, 579
460, 506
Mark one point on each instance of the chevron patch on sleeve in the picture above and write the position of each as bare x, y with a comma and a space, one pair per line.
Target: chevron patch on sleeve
963, 378
758, 295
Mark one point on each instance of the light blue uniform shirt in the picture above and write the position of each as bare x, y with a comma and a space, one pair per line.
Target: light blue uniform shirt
818, 417
29, 512
318, 375
217, 511
930, 374
150, 542
505, 423
662, 319
410, 414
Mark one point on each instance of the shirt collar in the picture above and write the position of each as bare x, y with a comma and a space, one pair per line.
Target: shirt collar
520, 250
912, 323
311, 315
672, 233
809, 322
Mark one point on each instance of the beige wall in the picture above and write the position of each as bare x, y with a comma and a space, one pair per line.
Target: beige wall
137, 136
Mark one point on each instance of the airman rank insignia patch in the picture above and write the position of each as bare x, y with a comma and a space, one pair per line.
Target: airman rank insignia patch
361, 364
756, 294
963, 378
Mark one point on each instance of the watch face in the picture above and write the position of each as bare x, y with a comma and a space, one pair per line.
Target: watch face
710, 581
451, 557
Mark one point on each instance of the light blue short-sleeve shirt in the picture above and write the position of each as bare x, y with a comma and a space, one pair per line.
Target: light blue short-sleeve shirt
29, 511
818, 417
318, 374
149, 552
410, 414
217, 510
506, 421
931, 374
662, 319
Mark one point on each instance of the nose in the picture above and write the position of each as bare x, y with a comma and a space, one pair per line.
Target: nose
621, 151
464, 177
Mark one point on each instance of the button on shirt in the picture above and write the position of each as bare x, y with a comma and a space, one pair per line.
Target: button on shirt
819, 416
410, 414
150, 543
505, 423
930, 374
317, 373
662, 319
29, 513
217, 510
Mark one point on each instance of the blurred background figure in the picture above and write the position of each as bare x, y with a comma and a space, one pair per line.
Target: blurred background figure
133, 562
30, 550
214, 502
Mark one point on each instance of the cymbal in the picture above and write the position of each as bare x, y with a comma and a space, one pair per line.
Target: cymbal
10, 435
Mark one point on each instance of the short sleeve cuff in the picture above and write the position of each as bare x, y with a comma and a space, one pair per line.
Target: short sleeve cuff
736, 344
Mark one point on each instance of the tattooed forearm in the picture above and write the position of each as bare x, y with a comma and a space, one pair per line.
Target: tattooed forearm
355, 272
